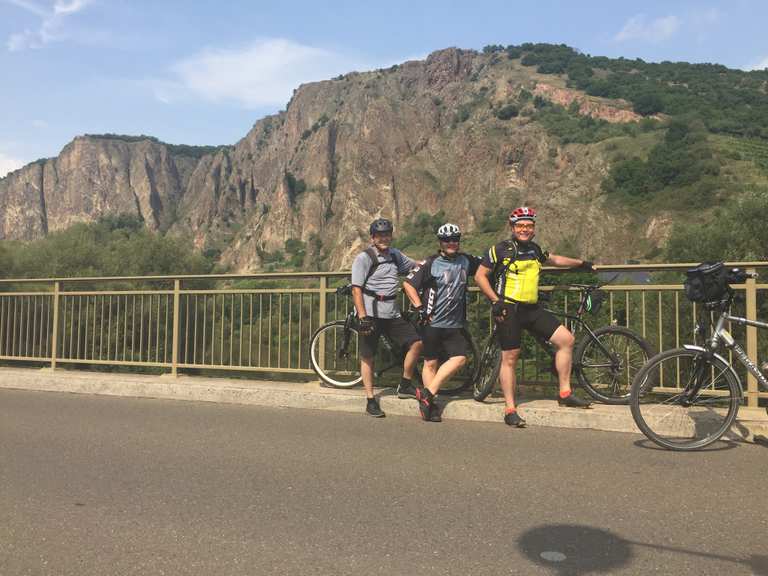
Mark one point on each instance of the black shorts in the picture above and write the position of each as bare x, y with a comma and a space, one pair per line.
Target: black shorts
532, 317
443, 342
402, 333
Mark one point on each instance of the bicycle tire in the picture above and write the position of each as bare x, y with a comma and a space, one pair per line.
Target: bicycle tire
488, 371
661, 414
609, 379
468, 373
334, 371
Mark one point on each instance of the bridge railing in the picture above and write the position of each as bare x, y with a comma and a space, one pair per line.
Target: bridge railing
264, 322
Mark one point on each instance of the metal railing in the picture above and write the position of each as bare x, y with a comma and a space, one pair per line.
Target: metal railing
264, 322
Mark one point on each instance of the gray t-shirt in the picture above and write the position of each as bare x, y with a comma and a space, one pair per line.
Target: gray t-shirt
383, 281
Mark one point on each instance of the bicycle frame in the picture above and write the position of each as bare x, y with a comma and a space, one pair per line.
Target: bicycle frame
721, 336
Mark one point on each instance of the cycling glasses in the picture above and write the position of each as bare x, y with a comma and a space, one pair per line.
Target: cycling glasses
526, 226
456, 238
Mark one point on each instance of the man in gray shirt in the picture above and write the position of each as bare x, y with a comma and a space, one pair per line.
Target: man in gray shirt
374, 293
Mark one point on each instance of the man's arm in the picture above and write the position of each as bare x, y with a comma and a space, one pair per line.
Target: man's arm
481, 279
566, 262
357, 300
413, 294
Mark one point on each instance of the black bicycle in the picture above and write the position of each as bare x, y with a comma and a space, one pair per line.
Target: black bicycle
605, 360
335, 357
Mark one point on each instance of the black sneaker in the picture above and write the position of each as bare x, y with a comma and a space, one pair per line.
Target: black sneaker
406, 389
514, 419
424, 398
373, 408
573, 401
434, 414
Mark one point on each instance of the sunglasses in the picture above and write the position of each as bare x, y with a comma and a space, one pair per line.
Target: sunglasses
524, 226
451, 239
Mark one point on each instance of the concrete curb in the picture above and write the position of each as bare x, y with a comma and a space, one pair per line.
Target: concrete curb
752, 422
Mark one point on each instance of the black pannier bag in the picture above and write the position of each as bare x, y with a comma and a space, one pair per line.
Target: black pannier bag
708, 282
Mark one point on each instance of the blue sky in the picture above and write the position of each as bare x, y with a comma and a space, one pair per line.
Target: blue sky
204, 72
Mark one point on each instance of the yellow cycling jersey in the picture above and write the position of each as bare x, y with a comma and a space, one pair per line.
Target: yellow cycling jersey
518, 267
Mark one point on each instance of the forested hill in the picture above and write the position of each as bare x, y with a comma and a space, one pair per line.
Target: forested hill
624, 160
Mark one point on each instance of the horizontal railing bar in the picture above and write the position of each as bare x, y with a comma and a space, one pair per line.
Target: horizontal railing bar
60, 360
30, 358
247, 368
342, 273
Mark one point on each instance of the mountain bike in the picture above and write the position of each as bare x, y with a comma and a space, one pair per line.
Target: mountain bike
605, 360
687, 398
334, 355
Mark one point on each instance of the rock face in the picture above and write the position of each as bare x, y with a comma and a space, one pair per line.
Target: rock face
419, 137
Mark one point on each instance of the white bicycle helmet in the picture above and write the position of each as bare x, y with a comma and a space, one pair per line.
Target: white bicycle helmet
448, 230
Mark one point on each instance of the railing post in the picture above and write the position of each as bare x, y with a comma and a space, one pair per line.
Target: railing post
55, 334
176, 321
322, 316
752, 391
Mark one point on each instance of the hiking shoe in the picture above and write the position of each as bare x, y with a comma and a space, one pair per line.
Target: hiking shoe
573, 401
406, 390
373, 408
514, 419
424, 398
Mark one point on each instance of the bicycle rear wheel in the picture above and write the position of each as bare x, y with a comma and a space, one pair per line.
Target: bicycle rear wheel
488, 370
666, 410
606, 365
334, 355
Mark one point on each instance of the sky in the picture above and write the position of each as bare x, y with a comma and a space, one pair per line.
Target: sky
202, 72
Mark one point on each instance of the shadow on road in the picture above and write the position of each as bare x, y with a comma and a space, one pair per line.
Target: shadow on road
573, 550
716, 447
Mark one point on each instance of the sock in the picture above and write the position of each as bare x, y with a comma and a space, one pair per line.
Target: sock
510, 410
565, 394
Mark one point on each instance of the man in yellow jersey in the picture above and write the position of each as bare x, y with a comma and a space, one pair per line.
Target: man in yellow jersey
516, 264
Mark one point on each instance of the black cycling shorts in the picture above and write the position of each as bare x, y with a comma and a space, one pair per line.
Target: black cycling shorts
532, 317
401, 332
443, 343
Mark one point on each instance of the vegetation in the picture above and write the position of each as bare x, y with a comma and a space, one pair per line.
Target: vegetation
176, 149
681, 162
113, 246
728, 101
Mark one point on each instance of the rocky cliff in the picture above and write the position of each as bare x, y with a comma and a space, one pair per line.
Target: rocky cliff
419, 137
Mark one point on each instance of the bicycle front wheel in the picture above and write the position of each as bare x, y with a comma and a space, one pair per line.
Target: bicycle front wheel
334, 354
607, 364
488, 370
683, 400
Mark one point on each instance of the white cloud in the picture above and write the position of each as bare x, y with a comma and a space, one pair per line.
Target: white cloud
263, 73
639, 28
8, 164
758, 65
52, 19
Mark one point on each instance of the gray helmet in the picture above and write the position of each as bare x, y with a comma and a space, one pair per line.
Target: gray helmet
381, 225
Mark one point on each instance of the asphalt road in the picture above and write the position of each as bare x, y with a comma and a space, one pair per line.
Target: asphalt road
101, 486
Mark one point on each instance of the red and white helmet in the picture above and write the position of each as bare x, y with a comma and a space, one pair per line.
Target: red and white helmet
522, 213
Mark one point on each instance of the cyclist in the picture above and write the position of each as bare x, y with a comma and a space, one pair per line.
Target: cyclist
515, 265
437, 290
374, 291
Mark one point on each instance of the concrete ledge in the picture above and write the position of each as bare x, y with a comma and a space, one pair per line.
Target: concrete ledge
751, 423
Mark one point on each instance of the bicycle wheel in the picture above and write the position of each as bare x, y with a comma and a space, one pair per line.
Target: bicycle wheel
488, 370
335, 361
468, 373
605, 365
670, 414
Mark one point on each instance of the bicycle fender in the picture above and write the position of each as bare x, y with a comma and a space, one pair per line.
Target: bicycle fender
724, 361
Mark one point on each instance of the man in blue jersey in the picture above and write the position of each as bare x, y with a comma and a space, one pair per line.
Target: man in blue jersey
437, 290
